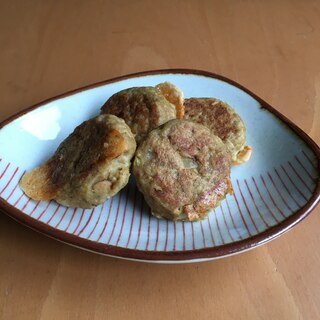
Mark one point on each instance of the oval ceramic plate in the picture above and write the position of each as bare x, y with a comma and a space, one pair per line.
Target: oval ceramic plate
275, 190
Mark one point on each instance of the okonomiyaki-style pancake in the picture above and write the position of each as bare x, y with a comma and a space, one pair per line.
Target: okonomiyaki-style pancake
183, 170
145, 108
223, 121
90, 165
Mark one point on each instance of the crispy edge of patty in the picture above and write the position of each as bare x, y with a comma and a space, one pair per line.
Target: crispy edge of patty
49, 180
174, 95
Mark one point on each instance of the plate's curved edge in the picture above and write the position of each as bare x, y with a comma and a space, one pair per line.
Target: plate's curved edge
206, 253
188, 255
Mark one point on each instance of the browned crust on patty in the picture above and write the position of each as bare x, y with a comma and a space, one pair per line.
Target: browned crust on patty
209, 199
83, 150
221, 119
183, 170
80, 173
137, 107
145, 108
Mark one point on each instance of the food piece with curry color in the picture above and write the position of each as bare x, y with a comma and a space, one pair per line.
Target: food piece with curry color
146, 108
90, 165
223, 121
183, 170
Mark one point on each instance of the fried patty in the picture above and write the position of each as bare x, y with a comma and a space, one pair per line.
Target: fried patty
90, 165
145, 108
183, 170
223, 121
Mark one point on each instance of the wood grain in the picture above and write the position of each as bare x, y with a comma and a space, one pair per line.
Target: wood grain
271, 47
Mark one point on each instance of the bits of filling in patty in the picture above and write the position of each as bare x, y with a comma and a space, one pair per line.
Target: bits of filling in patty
183, 170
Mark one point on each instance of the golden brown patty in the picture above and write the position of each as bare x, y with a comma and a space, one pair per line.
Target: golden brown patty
90, 165
222, 120
145, 108
183, 170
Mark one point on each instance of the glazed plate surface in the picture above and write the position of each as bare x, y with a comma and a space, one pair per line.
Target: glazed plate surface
275, 190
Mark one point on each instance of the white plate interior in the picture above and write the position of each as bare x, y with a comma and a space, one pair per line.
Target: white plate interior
277, 181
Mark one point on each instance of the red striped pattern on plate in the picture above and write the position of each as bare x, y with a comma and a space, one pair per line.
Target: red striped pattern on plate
258, 203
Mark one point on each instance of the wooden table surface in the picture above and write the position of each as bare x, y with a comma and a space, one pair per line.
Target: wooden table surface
271, 47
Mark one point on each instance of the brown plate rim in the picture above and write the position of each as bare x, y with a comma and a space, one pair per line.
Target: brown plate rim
205, 253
